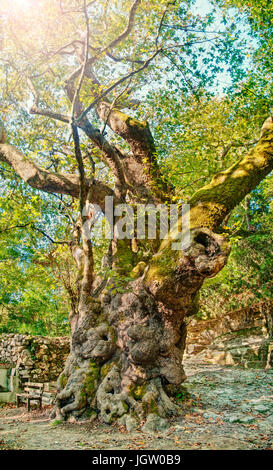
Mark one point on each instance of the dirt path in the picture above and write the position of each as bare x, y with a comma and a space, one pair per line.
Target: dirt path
230, 408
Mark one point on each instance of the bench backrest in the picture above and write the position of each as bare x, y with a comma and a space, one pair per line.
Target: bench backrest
34, 388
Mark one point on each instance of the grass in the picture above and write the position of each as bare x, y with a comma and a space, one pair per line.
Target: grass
55, 423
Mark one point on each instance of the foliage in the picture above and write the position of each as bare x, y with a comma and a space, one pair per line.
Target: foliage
200, 136
32, 300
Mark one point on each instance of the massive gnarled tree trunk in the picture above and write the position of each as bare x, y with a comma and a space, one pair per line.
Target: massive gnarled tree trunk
127, 347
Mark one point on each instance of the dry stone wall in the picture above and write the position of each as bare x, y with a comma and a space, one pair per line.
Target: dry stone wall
36, 358
243, 337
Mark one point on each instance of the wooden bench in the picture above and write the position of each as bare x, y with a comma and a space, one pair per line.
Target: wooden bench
32, 392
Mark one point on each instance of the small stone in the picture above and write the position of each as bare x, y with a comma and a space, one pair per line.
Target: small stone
122, 420
261, 408
237, 418
245, 408
247, 419
210, 415
155, 423
232, 418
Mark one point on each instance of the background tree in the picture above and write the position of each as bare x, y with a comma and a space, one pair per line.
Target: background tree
84, 65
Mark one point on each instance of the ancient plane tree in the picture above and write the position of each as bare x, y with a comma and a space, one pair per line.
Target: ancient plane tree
126, 344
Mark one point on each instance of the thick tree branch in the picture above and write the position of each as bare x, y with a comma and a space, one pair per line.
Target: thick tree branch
110, 155
51, 182
141, 168
124, 34
87, 258
36, 176
211, 204
48, 113
135, 132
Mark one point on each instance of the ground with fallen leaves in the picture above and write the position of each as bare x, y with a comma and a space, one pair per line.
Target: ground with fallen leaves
229, 409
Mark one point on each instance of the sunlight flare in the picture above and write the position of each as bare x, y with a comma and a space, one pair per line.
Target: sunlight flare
22, 4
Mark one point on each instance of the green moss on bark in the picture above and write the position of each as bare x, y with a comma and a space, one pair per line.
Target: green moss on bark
63, 380
138, 391
214, 201
89, 385
149, 407
106, 369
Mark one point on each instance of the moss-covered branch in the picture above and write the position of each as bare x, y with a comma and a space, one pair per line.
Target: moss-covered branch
211, 204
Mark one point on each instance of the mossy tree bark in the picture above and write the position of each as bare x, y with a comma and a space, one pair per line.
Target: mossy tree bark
127, 347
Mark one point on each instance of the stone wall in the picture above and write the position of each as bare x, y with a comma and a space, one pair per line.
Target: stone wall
243, 337
36, 358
